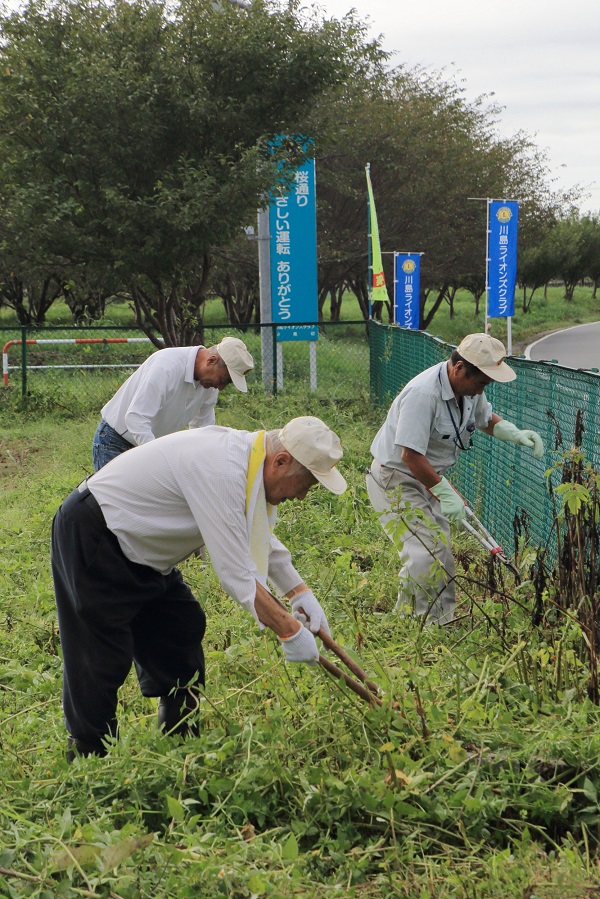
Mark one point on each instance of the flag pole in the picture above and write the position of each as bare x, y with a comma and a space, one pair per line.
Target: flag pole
369, 243
487, 262
377, 287
508, 325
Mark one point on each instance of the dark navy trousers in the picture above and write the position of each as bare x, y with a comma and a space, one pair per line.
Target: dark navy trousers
112, 612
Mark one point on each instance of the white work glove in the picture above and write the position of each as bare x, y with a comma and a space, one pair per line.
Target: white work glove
505, 430
452, 505
300, 647
307, 610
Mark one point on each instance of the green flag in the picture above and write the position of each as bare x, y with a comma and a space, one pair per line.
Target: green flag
377, 289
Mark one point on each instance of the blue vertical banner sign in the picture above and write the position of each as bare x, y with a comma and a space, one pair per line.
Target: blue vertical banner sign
407, 289
503, 226
293, 244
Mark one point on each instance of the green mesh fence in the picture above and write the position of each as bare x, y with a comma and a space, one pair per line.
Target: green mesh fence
500, 480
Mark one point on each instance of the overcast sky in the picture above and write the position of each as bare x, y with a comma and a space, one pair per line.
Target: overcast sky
539, 58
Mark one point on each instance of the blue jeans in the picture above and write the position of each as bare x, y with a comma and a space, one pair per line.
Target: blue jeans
107, 444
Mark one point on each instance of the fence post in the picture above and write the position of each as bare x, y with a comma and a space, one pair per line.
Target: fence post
24, 361
274, 358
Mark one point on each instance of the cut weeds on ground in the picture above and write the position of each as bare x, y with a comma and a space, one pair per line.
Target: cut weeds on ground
478, 776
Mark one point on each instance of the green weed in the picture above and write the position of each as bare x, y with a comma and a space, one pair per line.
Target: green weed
478, 777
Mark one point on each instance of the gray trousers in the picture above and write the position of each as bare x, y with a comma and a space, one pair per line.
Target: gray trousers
422, 536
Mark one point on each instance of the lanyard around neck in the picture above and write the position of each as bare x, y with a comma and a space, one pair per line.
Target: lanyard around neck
457, 439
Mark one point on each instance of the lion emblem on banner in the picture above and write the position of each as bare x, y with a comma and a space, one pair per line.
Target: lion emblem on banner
504, 214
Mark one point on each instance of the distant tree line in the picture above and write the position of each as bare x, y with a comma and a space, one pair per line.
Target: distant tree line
136, 145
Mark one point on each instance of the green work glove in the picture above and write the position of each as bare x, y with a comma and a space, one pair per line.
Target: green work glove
452, 505
505, 430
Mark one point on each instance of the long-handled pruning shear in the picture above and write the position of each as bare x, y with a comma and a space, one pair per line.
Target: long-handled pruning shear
368, 689
472, 524
363, 687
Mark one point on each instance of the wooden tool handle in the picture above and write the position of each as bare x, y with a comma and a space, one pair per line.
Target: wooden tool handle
357, 688
348, 662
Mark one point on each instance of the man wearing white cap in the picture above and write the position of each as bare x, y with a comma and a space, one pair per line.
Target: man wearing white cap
174, 388
118, 537
428, 424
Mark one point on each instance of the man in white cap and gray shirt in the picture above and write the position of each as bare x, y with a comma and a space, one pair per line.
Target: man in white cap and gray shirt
174, 388
428, 424
118, 537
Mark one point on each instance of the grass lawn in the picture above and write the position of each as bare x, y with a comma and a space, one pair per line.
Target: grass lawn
546, 314
479, 777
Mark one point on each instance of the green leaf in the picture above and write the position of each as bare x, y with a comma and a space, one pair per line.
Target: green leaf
6, 857
175, 809
589, 790
257, 885
290, 848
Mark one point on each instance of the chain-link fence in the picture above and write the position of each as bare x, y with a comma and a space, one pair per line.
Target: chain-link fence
77, 369
500, 480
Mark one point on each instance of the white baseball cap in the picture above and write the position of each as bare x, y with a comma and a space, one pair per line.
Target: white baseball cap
238, 360
488, 355
317, 447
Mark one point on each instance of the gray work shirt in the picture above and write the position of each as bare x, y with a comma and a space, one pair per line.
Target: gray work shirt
420, 419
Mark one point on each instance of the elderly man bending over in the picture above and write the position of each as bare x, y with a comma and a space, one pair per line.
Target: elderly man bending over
174, 388
118, 537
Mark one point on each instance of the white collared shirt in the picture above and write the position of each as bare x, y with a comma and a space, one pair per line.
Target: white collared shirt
161, 397
166, 499
420, 419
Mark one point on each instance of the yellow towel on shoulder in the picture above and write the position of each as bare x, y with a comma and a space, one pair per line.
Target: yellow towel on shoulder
260, 514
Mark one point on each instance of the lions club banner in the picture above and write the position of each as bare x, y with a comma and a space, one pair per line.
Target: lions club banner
407, 281
503, 223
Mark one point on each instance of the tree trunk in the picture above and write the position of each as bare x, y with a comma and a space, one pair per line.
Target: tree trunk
427, 319
173, 312
31, 301
450, 295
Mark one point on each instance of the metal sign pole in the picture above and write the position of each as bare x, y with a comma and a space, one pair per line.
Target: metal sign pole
487, 262
264, 280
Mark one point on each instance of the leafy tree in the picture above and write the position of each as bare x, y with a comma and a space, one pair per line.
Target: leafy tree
134, 135
235, 279
30, 294
566, 241
538, 264
430, 151
475, 284
590, 249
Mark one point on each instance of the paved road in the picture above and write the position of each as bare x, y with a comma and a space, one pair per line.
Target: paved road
577, 347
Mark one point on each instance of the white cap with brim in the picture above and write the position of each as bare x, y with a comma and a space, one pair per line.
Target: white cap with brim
488, 355
238, 360
317, 447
